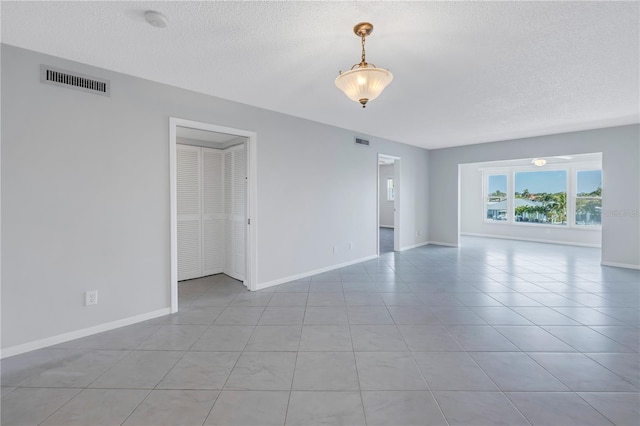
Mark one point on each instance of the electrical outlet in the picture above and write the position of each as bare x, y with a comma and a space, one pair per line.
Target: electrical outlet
91, 297
350, 246
419, 232
335, 249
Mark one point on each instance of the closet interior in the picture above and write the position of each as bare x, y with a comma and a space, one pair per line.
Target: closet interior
211, 202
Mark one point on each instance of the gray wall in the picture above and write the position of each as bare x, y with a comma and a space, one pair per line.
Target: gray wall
386, 207
620, 147
85, 195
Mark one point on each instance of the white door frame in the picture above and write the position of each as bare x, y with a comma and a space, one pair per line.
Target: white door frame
396, 202
251, 245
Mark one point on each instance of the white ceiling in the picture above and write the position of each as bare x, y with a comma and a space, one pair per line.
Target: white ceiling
464, 72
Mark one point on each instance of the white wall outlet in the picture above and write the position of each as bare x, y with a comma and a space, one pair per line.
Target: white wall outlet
419, 232
350, 246
91, 297
335, 249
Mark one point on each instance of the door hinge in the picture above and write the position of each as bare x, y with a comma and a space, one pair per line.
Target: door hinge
248, 221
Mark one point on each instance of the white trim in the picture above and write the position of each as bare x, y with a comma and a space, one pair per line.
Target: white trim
173, 216
65, 337
620, 265
378, 206
252, 212
314, 272
440, 243
537, 225
251, 276
533, 240
412, 246
397, 203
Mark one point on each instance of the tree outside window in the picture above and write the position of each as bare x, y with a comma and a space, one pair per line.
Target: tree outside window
541, 197
496, 198
589, 197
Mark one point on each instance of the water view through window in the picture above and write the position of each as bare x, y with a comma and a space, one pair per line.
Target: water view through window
541, 197
589, 197
496, 200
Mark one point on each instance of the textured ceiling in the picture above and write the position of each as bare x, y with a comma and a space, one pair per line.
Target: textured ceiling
464, 72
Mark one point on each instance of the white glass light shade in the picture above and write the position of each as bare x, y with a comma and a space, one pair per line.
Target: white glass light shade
539, 162
364, 84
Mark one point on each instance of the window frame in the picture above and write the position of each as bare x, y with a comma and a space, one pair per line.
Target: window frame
391, 190
585, 168
571, 173
534, 168
485, 195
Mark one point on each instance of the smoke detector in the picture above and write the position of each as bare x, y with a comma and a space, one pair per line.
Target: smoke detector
156, 19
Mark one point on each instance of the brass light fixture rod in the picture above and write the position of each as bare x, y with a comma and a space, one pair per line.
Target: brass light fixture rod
362, 30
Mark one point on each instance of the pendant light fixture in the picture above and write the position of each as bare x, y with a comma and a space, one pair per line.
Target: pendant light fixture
363, 82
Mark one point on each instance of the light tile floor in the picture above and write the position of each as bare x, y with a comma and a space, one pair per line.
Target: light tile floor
497, 332
386, 240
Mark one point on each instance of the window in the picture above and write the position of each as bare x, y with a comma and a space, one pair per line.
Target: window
391, 190
541, 197
589, 197
559, 196
496, 198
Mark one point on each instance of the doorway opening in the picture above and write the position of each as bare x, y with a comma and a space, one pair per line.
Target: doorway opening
388, 230
213, 203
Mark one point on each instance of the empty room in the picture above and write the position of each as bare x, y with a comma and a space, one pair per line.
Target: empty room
320, 213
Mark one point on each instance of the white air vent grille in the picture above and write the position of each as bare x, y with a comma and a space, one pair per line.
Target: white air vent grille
362, 141
62, 78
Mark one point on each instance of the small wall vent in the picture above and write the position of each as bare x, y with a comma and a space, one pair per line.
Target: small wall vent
362, 141
62, 78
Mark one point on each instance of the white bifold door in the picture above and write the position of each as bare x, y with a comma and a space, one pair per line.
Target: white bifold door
211, 198
235, 201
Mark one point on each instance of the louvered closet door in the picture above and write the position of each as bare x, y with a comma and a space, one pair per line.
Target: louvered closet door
213, 247
189, 212
239, 210
235, 190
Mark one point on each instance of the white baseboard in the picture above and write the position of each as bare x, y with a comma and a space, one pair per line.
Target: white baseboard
412, 246
620, 265
65, 337
261, 286
440, 243
386, 226
533, 240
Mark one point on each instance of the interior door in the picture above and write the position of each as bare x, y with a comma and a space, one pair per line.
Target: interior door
189, 200
235, 182
213, 223
240, 211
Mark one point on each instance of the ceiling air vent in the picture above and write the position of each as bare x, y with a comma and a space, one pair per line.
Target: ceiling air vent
62, 78
362, 141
